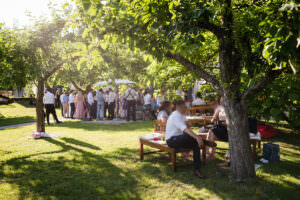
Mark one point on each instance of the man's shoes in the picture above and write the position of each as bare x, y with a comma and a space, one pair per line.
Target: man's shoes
58, 122
209, 143
199, 175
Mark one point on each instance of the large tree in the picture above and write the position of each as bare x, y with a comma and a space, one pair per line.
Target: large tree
14, 65
255, 38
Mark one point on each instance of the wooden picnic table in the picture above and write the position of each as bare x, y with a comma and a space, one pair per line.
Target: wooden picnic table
203, 120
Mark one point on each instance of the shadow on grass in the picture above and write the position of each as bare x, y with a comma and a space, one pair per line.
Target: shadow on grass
107, 127
6, 121
85, 176
80, 143
156, 166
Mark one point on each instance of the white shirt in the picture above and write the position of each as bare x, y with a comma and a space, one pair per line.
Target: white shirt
61, 98
147, 99
49, 98
111, 97
175, 125
90, 98
130, 94
198, 101
162, 114
106, 98
71, 98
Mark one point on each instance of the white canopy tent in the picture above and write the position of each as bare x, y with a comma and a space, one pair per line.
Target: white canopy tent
101, 83
117, 81
124, 81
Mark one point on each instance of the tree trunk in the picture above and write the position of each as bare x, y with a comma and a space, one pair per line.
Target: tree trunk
241, 159
40, 119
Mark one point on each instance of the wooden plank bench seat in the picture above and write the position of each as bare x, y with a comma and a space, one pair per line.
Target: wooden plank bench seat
159, 131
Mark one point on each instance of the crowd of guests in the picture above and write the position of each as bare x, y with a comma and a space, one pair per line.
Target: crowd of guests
107, 104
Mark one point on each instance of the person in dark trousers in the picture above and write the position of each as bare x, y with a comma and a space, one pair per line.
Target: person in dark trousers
130, 96
179, 135
90, 102
57, 98
72, 104
111, 104
49, 101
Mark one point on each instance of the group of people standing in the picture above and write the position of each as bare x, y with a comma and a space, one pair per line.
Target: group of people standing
107, 104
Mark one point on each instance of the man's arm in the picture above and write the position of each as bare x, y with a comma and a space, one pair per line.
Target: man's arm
195, 136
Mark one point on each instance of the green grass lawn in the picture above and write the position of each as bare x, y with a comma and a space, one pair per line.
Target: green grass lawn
95, 161
18, 113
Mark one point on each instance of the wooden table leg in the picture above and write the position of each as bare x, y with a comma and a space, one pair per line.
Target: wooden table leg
142, 151
173, 157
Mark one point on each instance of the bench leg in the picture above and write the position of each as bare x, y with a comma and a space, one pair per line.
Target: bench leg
142, 151
173, 157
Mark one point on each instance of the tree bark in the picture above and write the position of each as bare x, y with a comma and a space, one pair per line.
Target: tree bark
241, 159
40, 115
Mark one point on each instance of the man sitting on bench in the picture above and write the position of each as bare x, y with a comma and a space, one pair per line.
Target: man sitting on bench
179, 135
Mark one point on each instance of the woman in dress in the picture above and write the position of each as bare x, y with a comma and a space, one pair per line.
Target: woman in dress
80, 113
220, 131
57, 98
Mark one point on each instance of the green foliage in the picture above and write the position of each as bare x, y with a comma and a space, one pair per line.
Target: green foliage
265, 35
208, 93
14, 64
279, 101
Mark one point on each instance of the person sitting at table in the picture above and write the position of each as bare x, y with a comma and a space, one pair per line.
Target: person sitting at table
219, 132
179, 135
165, 110
198, 101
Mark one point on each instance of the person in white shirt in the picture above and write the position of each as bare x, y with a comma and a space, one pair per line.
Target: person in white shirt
198, 101
147, 100
111, 104
49, 101
179, 135
90, 100
130, 96
71, 103
61, 103
165, 110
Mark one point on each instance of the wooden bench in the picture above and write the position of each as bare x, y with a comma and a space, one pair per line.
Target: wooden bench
159, 128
